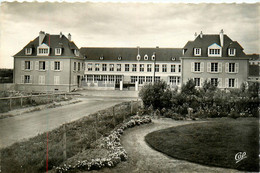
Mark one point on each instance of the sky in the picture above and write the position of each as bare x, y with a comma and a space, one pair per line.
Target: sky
94, 24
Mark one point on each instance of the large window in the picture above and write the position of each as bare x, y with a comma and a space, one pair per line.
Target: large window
149, 79
58, 51
27, 79
27, 65
41, 65
56, 65
214, 51
141, 79
104, 67
118, 67
174, 80
89, 66
231, 67
43, 51
133, 67
173, 68
231, 83
157, 67
133, 79
214, 67
111, 67
126, 67
197, 81
141, 67
96, 67
157, 78
197, 66
214, 81
164, 68
149, 67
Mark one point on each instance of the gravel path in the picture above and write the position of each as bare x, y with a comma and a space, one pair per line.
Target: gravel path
142, 158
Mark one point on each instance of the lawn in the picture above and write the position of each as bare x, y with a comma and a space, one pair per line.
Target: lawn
212, 143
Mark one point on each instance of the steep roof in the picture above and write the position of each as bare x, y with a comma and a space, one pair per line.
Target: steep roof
53, 41
253, 57
208, 40
130, 54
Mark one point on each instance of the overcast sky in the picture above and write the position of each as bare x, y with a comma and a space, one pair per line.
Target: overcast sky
125, 24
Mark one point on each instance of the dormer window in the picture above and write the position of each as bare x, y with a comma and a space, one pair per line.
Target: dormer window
28, 51
197, 51
43, 50
76, 52
58, 51
153, 57
214, 50
138, 57
146, 57
101, 58
231, 52
119, 58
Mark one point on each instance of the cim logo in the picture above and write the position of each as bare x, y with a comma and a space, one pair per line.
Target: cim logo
240, 156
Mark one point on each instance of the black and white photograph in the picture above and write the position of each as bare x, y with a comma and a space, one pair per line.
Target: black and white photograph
127, 86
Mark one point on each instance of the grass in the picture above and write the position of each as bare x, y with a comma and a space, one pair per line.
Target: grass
30, 155
212, 143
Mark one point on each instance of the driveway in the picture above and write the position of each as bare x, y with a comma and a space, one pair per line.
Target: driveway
142, 158
14, 129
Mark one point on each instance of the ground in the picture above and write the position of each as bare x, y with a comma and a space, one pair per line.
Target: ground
143, 158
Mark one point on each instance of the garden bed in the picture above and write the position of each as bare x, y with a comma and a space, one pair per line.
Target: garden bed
212, 143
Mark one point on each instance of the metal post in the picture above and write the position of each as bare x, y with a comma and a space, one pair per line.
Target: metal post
10, 104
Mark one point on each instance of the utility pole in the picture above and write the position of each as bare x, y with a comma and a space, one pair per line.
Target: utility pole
154, 63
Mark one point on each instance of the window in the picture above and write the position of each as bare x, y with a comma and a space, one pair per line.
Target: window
197, 66
58, 51
157, 67
231, 83
126, 67
118, 67
214, 67
133, 79
78, 66
111, 78
56, 65
118, 79
146, 57
149, 79
56, 80
111, 67
231, 52
197, 81
214, 81
231, 67
75, 66
76, 52
104, 67
141, 67
141, 79
179, 68
28, 51
41, 80
157, 79
83, 68
133, 67
96, 67
41, 65
43, 51
27, 65
197, 51
164, 68
173, 68
214, 51
27, 79
89, 66
90, 78
149, 67
153, 57
138, 57
174, 80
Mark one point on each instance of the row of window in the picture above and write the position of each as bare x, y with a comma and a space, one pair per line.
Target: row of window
45, 51
214, 67
229, 82
214, 52
44, 65
27, 79
133, 67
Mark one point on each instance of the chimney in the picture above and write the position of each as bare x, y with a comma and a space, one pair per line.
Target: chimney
195, 35
60, 34
41, 37
138, 47
221, 37
69, 37
201, 35
157, 47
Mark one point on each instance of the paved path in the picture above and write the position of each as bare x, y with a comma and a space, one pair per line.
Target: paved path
142, 158
27, 125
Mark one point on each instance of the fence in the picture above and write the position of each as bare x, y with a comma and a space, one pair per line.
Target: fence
9, 103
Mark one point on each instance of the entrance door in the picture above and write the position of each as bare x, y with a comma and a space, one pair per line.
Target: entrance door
78, 80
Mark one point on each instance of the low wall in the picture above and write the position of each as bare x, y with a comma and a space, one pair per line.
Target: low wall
7, 87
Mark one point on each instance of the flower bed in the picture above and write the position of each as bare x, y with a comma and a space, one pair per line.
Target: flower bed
112, 143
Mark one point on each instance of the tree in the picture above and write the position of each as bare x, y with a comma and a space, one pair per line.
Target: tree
189, 88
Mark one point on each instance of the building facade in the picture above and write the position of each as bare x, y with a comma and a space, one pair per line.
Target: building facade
54, 62
48, 63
